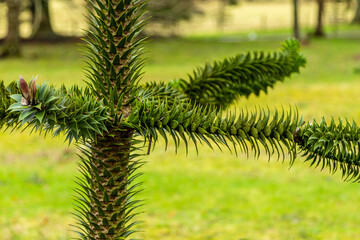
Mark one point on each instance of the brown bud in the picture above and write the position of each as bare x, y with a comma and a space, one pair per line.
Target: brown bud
24, 88
33, 88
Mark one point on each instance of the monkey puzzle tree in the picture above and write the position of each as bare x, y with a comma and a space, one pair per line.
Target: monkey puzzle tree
115, 116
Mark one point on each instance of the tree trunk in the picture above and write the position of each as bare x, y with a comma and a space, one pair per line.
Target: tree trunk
11, 47
109, 186
106, 209
356, 19
44, 30
296, 20
319, 31
32, 9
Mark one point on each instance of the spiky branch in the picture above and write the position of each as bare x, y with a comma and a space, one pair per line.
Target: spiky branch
246, 131
333, 146
73, 111
221, 83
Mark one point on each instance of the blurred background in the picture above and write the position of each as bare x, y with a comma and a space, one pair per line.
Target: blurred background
213, 194
252, 18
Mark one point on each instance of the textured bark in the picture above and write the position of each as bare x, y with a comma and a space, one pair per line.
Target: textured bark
110, 196
11, 47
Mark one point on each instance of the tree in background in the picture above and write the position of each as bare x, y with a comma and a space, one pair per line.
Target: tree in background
115, 116
40, 14
356, 19
11, 45
170, 12
221, 19
296, 28
319, 29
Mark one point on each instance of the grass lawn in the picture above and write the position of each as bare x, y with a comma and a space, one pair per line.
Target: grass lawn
211, 195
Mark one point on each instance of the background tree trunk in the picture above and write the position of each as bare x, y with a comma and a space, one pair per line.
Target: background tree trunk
221, 15
44, 30
296, 19
356, 19
319, 31
11, 47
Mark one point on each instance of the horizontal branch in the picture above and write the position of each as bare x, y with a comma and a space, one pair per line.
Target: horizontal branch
245, 132
333, 146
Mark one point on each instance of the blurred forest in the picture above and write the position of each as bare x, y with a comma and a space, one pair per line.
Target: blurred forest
40, 19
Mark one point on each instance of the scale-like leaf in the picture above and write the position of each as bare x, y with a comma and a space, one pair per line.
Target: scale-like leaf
332, 146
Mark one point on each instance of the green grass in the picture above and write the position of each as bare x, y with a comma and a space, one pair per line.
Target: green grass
212, 195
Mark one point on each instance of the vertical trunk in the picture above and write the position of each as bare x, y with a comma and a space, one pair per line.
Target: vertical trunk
319, 31
356, 19
35, 8
45, 24
296, 19
110, 167
32, 11
106, 195
44, 30
11, 47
